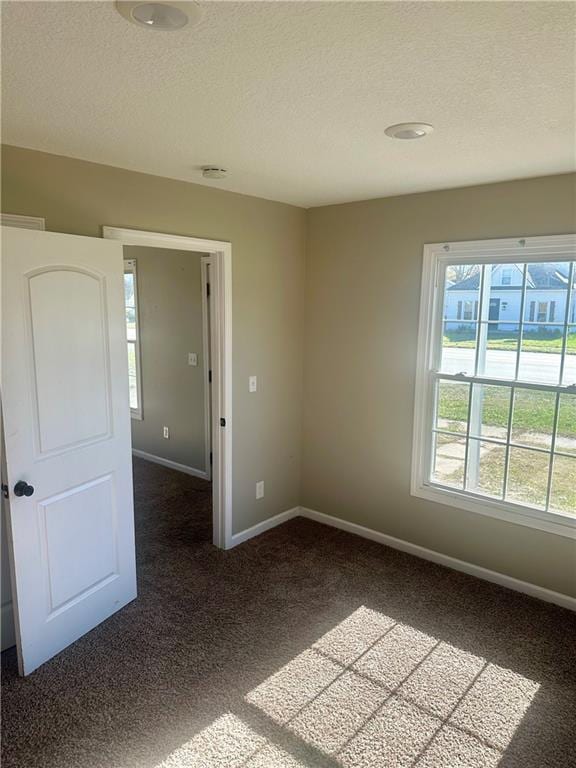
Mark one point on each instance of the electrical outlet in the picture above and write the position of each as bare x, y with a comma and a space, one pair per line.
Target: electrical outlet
252, 384
260, 489
192, 358
166, 433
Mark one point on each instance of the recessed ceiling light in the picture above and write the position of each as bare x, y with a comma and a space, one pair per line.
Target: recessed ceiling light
409, 130
214, 172
161, 16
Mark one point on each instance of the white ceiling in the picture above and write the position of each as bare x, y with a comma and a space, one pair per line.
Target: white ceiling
293, 97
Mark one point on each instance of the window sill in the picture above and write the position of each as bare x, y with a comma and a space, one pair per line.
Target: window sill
561, 525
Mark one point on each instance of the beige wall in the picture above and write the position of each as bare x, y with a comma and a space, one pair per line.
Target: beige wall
170, 314
363, 283
268, 248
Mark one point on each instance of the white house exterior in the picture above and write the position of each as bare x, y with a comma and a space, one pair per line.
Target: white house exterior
545, 304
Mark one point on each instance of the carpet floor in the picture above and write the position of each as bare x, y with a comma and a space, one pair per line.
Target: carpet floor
306, 646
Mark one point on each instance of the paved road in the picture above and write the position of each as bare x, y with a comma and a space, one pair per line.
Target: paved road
537, 367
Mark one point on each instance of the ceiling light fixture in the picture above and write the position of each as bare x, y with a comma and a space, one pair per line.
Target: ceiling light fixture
214, 172
161, 16
409, 130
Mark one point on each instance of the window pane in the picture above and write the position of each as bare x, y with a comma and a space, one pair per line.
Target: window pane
504, 296
129, 289
546, 282
563, 488
485, 471
541, 353
498, 351
132, 377
449, 455
533, 418
131, 323
458, 348
133, 392
452, 406
489, 411
528, 477
131, 359
566, 432
569, 376
461, 306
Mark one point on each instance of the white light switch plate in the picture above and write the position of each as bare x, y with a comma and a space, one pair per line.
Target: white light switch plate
192, 358
260, 489
253, 384
166, 433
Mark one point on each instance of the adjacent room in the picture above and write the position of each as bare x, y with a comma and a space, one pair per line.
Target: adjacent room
288, 384
167, 295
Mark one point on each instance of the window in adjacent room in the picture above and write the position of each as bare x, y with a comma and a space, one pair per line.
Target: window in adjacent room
133, 337
495, 426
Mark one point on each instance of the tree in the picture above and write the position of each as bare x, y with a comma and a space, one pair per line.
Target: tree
458, 272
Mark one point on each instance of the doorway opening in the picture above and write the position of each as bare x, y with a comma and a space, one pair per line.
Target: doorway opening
201, 417
166, 296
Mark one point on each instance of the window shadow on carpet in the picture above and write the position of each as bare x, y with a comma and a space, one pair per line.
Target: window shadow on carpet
373, 692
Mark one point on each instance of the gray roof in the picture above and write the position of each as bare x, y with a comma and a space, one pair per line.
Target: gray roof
541, 275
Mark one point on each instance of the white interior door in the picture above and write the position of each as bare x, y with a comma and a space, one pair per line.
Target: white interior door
67, 437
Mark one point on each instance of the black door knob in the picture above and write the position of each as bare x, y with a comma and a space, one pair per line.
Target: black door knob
23, 489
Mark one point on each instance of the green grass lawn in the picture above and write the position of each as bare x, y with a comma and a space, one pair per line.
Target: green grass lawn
527, 478
533, 410
506, 340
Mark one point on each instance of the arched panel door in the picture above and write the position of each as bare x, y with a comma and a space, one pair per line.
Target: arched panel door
67, 436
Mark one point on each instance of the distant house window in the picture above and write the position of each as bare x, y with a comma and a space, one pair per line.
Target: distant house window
542, 311
467, 310
506, 277
132, 337
495, 408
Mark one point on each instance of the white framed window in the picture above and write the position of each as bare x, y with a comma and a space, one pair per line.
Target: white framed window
507, 276
495, 409
133, 338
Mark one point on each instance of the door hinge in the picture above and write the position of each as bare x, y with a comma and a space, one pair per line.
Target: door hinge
210, 377
4, 489
222, 422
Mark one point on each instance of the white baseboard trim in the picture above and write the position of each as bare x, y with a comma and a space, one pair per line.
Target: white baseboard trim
8, 630
171, 464
265, 525
527, 588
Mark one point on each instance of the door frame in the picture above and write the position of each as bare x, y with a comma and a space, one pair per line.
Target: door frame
220, 265
207, 362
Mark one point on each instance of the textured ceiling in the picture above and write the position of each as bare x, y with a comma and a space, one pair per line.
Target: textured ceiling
293, 97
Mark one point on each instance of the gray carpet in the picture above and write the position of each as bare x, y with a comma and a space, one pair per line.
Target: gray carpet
304, 647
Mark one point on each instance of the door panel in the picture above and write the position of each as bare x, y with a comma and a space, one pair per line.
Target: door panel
78, 540
68, 336
67, 432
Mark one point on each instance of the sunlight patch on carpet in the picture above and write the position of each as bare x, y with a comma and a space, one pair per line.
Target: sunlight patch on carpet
229, 743
372, 692
380, 692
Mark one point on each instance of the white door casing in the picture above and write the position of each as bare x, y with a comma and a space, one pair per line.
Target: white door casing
67, 432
